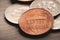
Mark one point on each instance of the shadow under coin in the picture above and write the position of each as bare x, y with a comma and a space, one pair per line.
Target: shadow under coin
20, 2
32, 36
13, 1
15, 25
55, 31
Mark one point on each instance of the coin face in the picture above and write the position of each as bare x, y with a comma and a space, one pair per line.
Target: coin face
13, 12
36, 21
51, 5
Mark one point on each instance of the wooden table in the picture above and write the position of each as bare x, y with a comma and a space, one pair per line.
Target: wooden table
9, 31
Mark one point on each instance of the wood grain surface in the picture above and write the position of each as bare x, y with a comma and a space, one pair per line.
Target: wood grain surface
9, 31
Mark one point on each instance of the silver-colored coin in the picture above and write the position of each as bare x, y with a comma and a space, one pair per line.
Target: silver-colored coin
51, 5
56, 23
13, 12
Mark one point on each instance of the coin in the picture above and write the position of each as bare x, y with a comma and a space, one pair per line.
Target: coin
56, 24
36, 21
51, 5
13, 12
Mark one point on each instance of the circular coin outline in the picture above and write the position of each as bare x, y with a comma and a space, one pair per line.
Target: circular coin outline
36, 34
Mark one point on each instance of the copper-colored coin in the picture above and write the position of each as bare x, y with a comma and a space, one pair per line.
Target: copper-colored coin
36, 21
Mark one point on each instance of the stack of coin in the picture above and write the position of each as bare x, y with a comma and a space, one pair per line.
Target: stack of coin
34, 19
